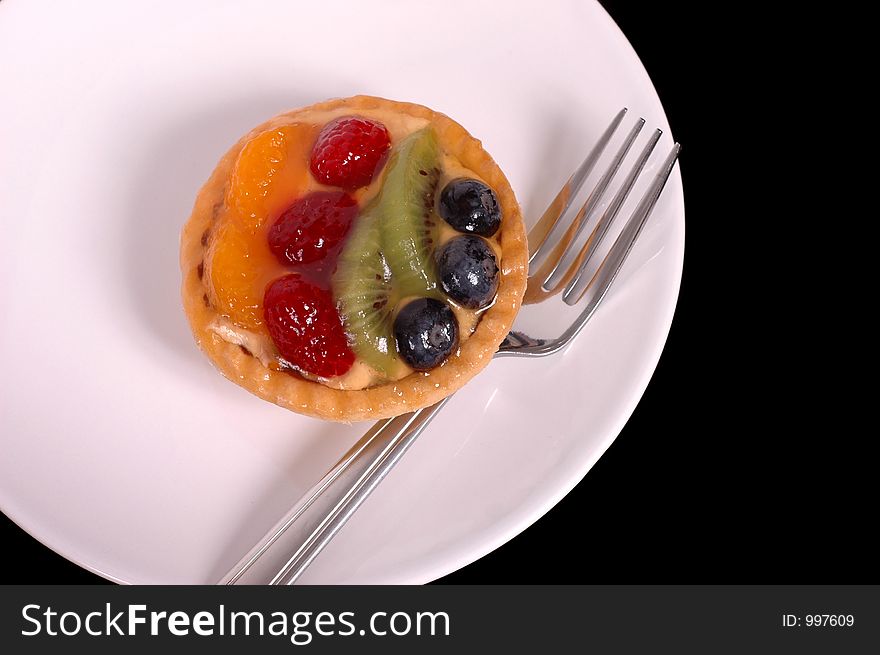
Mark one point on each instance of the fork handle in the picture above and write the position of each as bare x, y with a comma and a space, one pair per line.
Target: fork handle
284, 552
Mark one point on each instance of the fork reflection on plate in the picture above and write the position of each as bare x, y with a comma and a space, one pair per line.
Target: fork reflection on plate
285, 552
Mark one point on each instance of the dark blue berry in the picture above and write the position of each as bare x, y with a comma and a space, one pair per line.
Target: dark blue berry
468, 271
426, 333
470, 206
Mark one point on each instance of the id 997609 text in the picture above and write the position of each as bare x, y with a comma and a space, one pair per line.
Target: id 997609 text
818, 620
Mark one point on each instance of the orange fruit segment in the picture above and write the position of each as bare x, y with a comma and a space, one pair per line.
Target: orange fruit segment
237, 267
269, 174
257, 171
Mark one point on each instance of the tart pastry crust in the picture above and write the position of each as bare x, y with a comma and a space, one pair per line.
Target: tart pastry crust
392, 398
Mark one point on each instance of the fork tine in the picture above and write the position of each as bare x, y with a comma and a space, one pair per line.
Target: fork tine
611, 265
579, 265
590, 205
562, 202
535, 291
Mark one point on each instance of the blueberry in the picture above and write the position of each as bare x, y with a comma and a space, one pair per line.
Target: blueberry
470, 206
426, 333
468, 271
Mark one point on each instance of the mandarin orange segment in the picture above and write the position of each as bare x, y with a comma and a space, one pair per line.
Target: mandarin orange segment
237, 267
256, 172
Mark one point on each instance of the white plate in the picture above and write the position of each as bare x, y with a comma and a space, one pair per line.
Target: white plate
121, 447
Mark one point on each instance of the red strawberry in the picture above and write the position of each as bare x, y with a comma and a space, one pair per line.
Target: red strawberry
305, 327
349, 151
312, 226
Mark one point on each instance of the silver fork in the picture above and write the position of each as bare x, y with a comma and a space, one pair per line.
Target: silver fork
282, 555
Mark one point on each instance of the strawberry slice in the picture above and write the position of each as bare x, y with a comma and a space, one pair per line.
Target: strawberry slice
349, 151
312, 227
306, 328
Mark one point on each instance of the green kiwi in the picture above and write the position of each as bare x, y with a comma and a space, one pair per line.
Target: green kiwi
388, 254
406, 206
362, 286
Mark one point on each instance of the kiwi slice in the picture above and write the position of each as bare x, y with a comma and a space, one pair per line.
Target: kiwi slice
362, 286
387, 255
406, 205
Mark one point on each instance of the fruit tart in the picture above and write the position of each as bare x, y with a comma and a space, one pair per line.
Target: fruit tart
355, 259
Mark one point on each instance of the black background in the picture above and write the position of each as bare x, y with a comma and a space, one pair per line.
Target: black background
716, 477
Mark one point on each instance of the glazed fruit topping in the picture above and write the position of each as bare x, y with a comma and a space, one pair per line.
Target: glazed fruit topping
312, 226
470, 206
426, 332
349, 151
373, 258
306, 328
468, 271
235, 268
256, 171
405, 205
